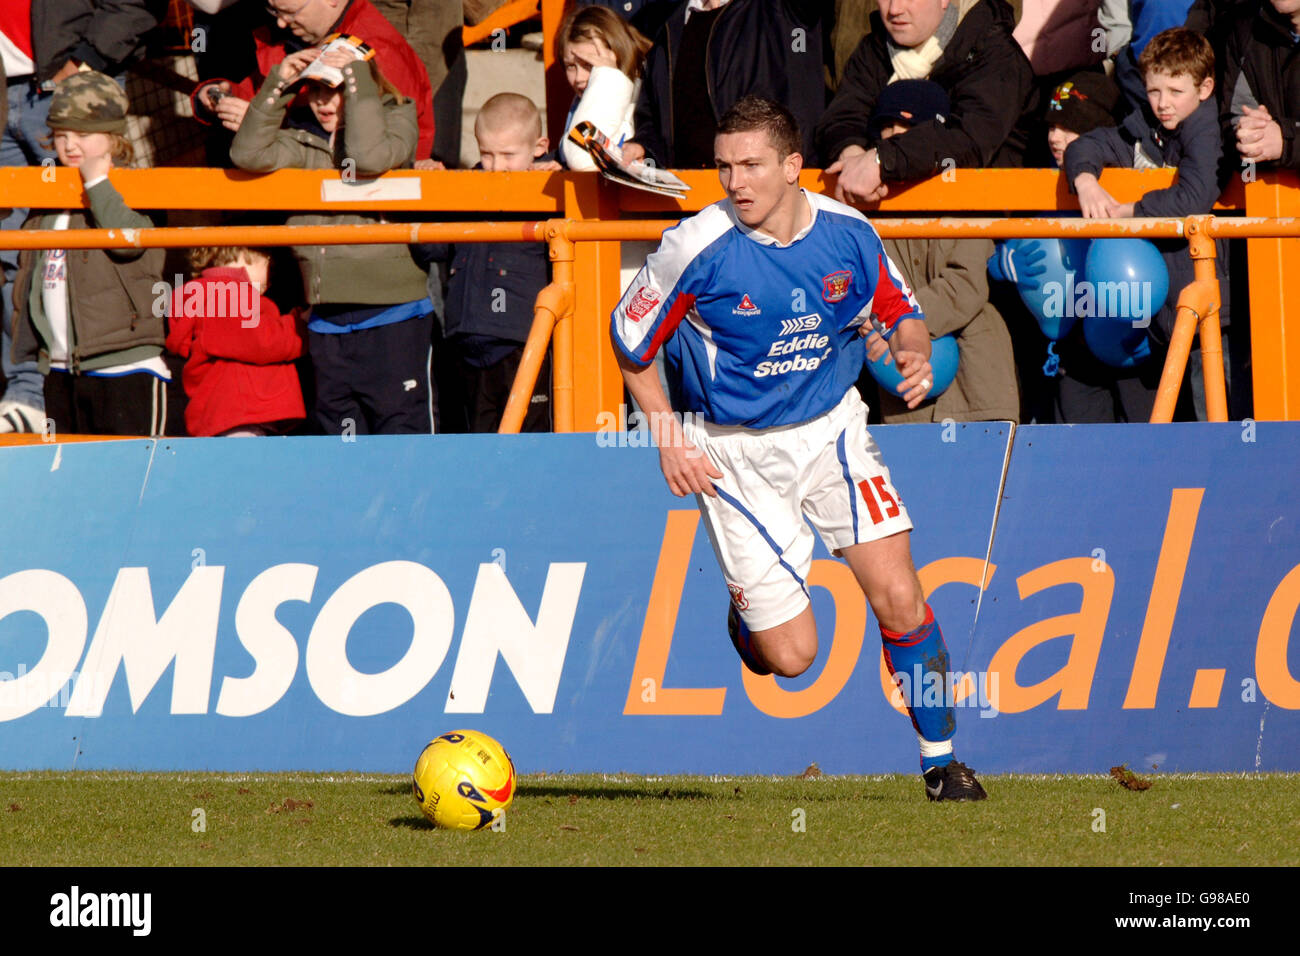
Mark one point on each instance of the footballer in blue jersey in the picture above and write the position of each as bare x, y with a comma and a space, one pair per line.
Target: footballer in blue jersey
760, 304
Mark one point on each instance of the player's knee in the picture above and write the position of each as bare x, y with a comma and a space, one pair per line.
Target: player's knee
901, 608
791, 661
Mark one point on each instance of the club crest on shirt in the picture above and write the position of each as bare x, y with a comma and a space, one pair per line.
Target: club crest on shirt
836, 285
746, 307
645, 299
738, 597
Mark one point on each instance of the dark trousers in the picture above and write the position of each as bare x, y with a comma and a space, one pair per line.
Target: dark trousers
133, 404
373, 381
484, 393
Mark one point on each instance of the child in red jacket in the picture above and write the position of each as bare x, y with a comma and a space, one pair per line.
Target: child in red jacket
239, 377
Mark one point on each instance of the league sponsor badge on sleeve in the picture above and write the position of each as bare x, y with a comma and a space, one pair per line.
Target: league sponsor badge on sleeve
642, 303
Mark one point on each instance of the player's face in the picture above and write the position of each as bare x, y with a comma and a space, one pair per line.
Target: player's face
1174, 97
757, 180
910, 23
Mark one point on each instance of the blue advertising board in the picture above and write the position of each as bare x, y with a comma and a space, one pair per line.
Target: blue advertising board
327, 604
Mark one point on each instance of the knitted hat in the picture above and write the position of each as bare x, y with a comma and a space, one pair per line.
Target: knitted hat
1084, 102
909, 101
88, 102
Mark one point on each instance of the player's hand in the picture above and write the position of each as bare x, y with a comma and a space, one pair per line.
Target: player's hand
1259, 137
918, 376
687, 469
859, 176
876, 344
1094, 201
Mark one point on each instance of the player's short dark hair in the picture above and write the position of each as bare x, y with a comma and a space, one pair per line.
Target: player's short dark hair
1178, 50
752, 113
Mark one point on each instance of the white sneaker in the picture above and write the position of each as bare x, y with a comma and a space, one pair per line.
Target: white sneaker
17, 417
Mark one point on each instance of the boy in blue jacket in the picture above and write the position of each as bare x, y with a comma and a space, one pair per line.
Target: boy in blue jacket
492, 287
1179, 127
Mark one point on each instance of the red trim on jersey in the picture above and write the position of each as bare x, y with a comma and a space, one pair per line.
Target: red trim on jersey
16, 24
890, 302
681, 305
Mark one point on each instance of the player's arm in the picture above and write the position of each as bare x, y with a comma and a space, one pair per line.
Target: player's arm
685, 467
910, 346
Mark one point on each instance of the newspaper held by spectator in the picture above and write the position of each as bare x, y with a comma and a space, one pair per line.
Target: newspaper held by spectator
332, 75
609, 160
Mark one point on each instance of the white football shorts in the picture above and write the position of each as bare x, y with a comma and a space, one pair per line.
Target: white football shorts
827, 472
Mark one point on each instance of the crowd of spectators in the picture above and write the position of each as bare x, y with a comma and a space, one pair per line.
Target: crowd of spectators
426, 338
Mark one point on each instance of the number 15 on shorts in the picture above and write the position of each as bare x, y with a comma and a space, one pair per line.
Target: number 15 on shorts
876, 492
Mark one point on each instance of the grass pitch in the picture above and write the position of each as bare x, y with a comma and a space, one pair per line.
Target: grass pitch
120, 819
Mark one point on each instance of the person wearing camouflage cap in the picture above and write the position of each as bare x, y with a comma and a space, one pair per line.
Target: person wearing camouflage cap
90, 320
89, 102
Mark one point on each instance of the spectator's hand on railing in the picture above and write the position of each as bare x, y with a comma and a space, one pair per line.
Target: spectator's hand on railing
859, 176
429, 164
545, 165
1259, 137
1094, 201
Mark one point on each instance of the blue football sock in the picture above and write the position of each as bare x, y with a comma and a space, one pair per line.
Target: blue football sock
918, 660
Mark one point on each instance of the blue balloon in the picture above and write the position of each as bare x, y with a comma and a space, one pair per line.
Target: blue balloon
943, 362
1049, 296
1128, 280
1118, 344
944, 356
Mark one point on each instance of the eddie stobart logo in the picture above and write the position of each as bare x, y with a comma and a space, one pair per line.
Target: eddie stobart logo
791, 354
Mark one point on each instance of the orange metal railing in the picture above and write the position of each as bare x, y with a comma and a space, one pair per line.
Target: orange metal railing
584, 218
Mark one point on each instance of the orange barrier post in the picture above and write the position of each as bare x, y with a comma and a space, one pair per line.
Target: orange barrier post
1195, 302
1200, 239
561, 253
1198, 310
552, 302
